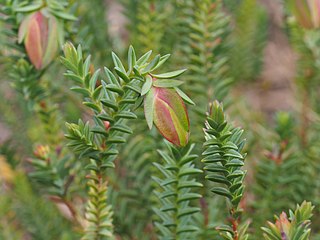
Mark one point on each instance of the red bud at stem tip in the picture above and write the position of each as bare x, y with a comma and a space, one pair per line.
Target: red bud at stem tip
166, 109
39, 32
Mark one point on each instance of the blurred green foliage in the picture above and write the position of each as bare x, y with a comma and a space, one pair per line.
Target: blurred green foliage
221, 43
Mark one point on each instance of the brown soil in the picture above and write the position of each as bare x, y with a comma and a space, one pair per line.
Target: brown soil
273, 91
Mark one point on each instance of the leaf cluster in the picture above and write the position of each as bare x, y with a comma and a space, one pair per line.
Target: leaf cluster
175, 193
297, 227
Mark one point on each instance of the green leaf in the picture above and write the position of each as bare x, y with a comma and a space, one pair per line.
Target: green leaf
116, 139
111, 77
151, 65
96, 92
92, 105
235, 163
117, 62
138, 103
189, 171
147, 85
106, 117
127, 101
70, 53
167, 83
29, 8
132, 88
131, 59
148, 107
104, 166
144, 58
109, 104
93, 80
121, 128
218, 179
184, 96
99, 130
69, 65
233, 153
188, 211
126, 115
64, 15
163, 59
121, 74
74, 77
79, 54
115, 88
169, 74
81, 90
222, 191
86, 65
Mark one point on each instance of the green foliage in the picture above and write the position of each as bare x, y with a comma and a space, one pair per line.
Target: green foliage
248, 40
202, 46
305, 43
27, 82
148, 27
209, 218
30, 211
93, 29
232, 5
223, 155
112, 102
97, 210
204, 51
133, 186
25, 76
15, 10
296, 227
223, 159
52, 170
146, 196
26, 79
281, 173
175, 193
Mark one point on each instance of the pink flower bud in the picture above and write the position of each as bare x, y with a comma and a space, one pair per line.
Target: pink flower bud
39, 31
106, 125
168, 112
42, 151
283, 224
307, 13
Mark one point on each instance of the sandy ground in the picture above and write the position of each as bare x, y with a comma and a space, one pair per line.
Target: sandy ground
273, 90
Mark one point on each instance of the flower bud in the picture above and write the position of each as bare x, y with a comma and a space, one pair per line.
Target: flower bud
39, 32
283, 224
106, 125
169, 114
307, 13
42, 152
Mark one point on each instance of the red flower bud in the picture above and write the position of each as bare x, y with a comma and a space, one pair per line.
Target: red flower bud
39, 32
166, 109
